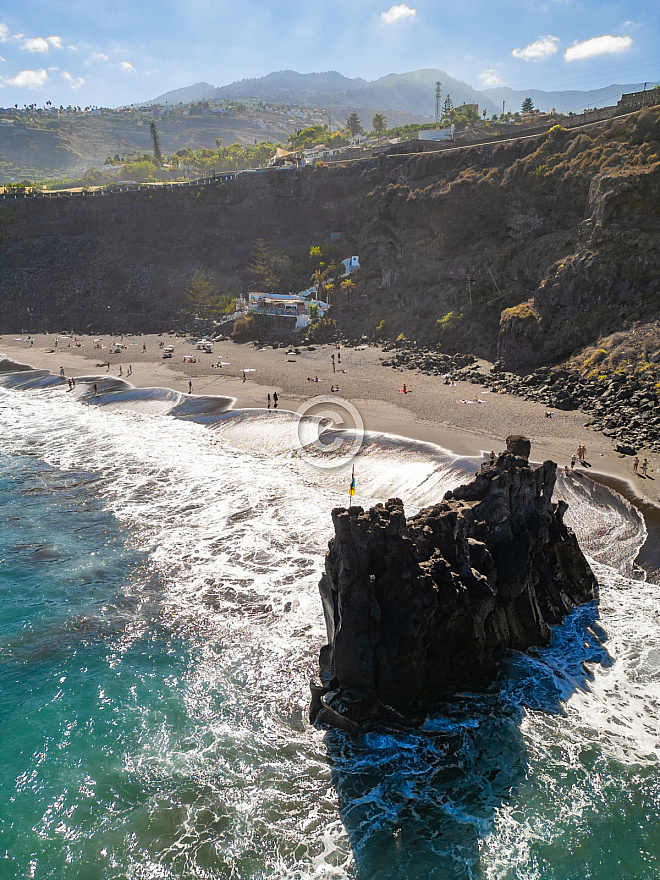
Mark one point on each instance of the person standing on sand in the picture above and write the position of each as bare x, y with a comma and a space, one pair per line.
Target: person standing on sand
635, 465
645, 465
269, 400
275, 399
61, 372
190, 387
492, 456
144, 346
96, 389
121, 372
573, 459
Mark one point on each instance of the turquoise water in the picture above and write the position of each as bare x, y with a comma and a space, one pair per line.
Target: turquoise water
77, 702
159, 622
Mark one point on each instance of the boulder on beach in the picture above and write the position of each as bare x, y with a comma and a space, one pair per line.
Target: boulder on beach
418, 608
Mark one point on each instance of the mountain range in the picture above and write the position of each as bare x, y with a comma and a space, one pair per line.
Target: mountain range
401, 96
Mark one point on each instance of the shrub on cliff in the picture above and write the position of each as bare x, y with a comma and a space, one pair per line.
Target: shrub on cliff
244, 328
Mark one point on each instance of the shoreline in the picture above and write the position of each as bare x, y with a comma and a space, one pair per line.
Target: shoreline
432, 412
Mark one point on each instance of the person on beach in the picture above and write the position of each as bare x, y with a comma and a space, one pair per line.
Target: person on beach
573, 460
333, 363
121, 372
61, 372
492, 456
275, 399
144, 346
269, 400
635, 465
130, 370
645, 464
244, 377
404, 389
96, 389
190, 387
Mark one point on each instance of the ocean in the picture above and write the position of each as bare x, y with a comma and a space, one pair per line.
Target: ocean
159, 624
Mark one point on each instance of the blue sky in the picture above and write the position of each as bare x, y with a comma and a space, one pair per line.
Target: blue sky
85, 52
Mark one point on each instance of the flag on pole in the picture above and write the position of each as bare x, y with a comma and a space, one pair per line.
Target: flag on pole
351, 489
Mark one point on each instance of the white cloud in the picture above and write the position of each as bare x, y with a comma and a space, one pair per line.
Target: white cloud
490, 78
603, 45
97, 56
4, 33
76, 81
126, 65
36, 44
42, 44
28, 79
542, 48
398, 13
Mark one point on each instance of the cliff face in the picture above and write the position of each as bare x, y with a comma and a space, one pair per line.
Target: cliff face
611, 279
472, 231
415, 608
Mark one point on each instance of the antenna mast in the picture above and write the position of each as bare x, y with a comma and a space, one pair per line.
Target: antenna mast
438, 87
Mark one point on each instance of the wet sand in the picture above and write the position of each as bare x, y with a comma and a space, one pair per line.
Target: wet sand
431, 412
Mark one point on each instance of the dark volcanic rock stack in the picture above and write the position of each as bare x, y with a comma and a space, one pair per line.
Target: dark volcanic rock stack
416, 608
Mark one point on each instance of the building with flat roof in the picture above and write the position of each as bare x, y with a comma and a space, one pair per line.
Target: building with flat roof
286, 306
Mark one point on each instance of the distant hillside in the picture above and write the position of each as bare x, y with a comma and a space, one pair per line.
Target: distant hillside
403, 97
197, 92
563, 102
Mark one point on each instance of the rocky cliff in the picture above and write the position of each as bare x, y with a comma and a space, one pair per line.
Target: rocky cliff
417, 607
538, 246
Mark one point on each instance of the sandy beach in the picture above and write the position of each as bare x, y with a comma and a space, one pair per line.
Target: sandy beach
431, 412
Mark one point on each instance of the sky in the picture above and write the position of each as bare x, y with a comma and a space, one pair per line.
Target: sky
103, 53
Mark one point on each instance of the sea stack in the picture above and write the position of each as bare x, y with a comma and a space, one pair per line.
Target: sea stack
418, 608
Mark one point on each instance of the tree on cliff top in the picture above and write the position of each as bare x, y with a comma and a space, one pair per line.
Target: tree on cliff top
379, 124
354, 124
527, 105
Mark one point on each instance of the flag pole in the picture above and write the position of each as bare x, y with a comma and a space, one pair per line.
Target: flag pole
351, 488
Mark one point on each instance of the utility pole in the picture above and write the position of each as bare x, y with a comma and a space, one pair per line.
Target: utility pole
503, 105
438, 87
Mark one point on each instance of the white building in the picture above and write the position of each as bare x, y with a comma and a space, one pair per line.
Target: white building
438, 134
350, 264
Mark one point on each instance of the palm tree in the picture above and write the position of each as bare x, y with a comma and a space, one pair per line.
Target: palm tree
348, 287
318, 280
379, 124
